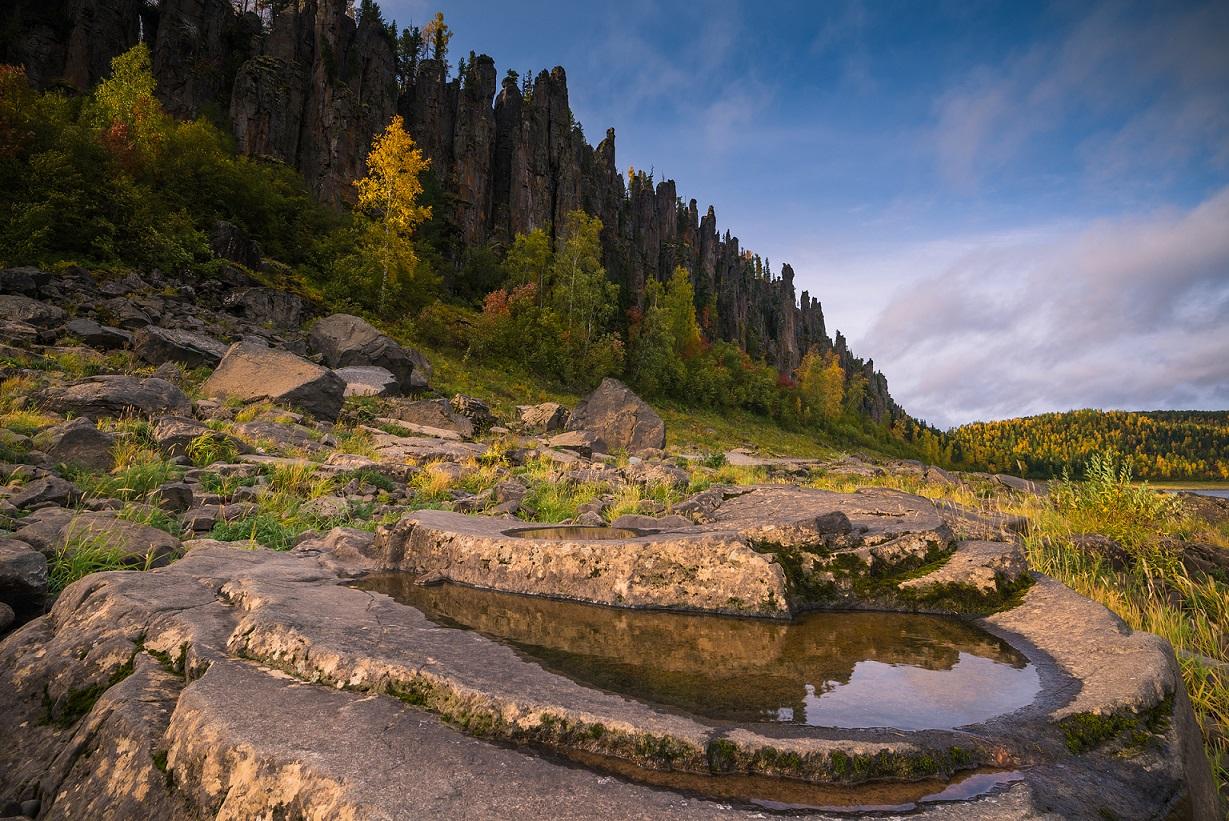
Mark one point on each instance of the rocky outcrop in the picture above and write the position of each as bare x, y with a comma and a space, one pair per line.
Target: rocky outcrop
115, 395
617, 419
158, 345
250, 371
344, 340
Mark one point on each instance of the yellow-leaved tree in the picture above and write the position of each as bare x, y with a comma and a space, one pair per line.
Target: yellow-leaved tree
388, 199
821, 385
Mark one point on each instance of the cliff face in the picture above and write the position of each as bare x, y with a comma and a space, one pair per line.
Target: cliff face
309, 86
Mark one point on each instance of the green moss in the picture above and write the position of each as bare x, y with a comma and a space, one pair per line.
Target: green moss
1083, 732
75, 704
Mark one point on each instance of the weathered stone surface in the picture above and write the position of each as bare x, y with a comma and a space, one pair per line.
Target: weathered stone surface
252, 372
246, 735
97, 397
30, 311
175, 433
23, 574
1018, 484
475, 410
96, 335
78, 443
345, 340
266, 306
433, 413
49, 489
368, 380
55, 529
546, 417
579, 441
618, 419
158, 345
24, 281
981, 566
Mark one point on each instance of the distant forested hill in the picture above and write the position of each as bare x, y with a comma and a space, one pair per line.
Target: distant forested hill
1158, 444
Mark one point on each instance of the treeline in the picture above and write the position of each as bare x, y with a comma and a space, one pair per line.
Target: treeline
110, 180
1156, 444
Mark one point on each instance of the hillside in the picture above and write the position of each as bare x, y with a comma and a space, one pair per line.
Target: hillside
1156, 444
308, 85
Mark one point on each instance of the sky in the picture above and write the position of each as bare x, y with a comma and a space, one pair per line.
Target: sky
1011, 207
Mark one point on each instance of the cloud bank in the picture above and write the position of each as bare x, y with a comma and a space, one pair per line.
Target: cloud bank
1127, 313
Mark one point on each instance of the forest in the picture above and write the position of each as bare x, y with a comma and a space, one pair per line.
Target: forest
1156, 445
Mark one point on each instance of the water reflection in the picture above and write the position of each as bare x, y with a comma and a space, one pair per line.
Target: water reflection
848, 670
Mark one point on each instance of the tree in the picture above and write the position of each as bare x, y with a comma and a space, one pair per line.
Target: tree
821, 385
410, 48
125, 104
388, 196
528, 261
580, 291
436, 34
678, 304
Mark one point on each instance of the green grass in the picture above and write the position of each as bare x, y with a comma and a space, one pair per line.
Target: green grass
212, 448
86, 553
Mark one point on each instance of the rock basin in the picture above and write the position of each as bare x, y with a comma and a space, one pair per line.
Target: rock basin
240, 683
847, 670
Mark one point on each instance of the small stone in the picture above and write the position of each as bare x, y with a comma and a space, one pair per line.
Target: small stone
78, 443
48, 490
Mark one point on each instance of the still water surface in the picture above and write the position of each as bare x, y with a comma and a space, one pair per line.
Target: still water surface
849, 670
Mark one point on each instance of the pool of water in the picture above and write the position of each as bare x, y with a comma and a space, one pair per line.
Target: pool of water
1217, 492
841, 669
574, 532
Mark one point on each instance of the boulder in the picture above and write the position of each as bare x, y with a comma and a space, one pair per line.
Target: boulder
159, 345
266, 306
368, 380
475, 410
618, 419
433, 413
345, 340
1017, 484
265, 432
49, 489
173, 434
30, 311
55, 529
578, 441
251, 372
229, 241
78, 443
547, 417
118, 395
103, 337
23, 281
23, 574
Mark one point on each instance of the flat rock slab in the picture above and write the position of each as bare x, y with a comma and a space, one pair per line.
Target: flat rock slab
265, 685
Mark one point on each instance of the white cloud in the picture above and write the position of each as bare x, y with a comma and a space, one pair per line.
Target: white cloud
1129, 313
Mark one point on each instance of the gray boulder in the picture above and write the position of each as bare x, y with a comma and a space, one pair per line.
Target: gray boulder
368, 380
23, 281
266, 306
251, 372
116, 395
30, 311
345, 340
103, 337
618, 419
79, 443
23, 574
547, 417
49, 489
433, 413
160, 345
475, 410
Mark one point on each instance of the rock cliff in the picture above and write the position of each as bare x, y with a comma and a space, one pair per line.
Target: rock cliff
308, 85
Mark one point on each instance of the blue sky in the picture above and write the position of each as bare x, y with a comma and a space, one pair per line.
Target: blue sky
1012, 207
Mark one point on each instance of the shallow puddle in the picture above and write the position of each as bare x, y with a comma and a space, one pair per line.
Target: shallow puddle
843, 669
